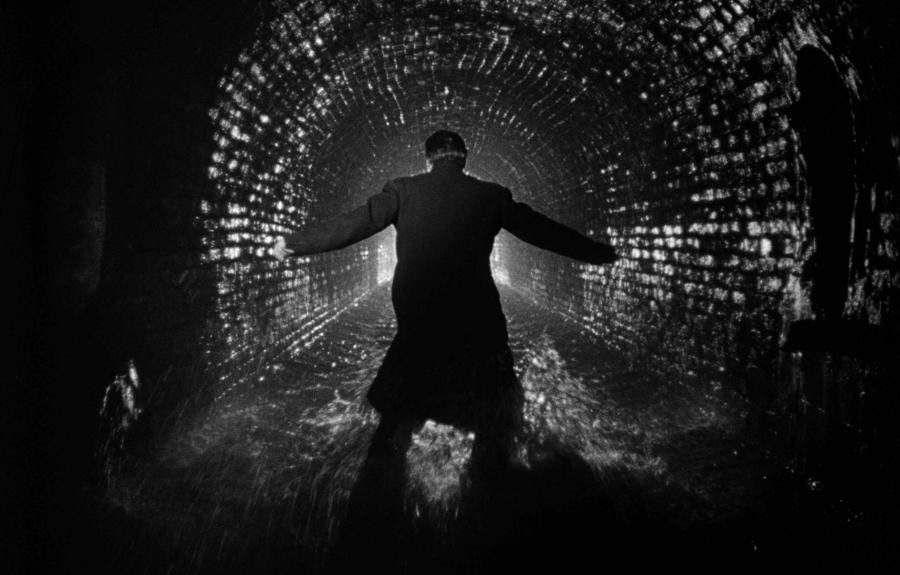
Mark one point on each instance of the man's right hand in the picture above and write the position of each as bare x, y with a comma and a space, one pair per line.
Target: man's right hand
280, 250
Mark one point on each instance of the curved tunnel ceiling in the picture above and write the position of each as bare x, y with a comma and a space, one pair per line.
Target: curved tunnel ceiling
662, 126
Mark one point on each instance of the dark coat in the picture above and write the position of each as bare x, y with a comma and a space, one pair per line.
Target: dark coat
443, 292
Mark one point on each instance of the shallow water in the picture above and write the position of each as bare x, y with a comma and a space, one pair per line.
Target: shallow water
259, 481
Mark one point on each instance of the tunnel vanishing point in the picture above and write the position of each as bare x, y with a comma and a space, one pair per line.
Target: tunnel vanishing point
724, 397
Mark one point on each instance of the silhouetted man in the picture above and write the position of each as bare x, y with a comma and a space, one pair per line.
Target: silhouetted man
450, 360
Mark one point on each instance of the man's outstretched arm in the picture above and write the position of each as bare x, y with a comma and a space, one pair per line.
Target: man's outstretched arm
379, 212
539, 230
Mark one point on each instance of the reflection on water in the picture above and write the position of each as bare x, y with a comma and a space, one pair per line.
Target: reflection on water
261, 479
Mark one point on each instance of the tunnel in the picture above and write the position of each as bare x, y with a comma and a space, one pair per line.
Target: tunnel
723, 396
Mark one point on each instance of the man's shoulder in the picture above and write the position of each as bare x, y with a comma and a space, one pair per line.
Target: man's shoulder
406, 182
480, 181
493, 189
425, 180
494, 186
397, 184
476, 182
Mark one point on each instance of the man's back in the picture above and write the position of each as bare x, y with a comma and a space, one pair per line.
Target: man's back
446, 222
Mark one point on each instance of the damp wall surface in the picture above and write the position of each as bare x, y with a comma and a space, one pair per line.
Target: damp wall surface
669, 131
166, 146
663, 131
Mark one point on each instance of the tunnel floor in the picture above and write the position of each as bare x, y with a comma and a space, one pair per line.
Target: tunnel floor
616, 466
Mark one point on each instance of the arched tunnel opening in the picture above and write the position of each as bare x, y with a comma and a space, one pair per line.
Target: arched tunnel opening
720, 397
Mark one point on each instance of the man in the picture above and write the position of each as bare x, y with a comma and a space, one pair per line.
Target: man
450, 360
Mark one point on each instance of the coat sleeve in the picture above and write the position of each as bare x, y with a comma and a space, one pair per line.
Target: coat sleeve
377, 213
537, 229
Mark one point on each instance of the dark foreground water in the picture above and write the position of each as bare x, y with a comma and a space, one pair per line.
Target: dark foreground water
616, 468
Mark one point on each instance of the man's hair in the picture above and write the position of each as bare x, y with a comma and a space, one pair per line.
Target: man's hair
445, 144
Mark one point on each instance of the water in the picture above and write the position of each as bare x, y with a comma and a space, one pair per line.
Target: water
259, 482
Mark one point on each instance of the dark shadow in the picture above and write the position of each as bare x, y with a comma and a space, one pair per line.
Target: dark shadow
549, 514
374, 516
558, 514
823, 120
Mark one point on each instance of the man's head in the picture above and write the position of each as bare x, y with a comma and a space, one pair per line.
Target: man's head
445, 144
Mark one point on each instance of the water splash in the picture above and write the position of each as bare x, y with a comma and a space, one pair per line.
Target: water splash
276, 459
118, 413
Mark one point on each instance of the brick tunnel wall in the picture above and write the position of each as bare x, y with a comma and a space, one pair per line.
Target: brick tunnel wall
708, 216
664, 128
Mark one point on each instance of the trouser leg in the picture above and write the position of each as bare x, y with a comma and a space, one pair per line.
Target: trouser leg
496, 429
